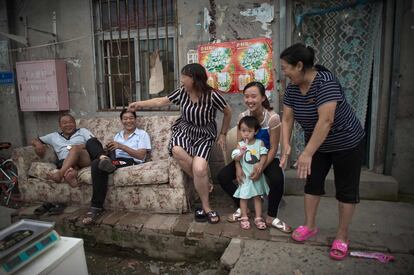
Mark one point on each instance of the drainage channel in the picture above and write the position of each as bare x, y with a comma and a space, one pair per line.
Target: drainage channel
112, 260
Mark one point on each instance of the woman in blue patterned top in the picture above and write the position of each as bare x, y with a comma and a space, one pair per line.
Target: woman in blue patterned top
195, 131
333, 136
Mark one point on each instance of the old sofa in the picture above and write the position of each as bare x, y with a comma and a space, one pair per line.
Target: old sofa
157, 186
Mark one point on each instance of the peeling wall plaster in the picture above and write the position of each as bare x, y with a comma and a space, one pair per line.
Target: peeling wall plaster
207, 19
221, 14
263, 14
75, 62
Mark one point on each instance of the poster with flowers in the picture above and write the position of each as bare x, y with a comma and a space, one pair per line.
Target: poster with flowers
217, 59
253, 62
231, 65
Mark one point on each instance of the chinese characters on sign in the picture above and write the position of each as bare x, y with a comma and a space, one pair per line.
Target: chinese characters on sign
231, 65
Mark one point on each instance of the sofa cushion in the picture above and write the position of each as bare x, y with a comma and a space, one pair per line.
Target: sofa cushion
40, 170
85, 177
153, 172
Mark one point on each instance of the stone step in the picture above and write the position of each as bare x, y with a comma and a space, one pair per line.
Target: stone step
372, 186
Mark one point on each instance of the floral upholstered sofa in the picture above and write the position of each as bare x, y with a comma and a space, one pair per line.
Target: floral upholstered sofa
157, 186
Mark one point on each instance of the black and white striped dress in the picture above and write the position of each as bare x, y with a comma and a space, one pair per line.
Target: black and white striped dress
196, 130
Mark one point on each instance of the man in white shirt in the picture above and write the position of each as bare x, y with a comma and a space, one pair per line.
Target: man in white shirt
129, 147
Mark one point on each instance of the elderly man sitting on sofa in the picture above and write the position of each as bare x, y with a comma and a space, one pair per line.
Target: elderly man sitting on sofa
130, 147
69, 146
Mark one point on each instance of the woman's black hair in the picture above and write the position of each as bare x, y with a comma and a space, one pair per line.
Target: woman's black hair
126, 111
250, 121
262, 90
299, 52
199, 76
305, 54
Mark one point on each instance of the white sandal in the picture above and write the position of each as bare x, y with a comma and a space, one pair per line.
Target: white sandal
282, 226
235, 217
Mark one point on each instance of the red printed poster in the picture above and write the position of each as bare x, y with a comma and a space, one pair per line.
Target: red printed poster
231, 65
253, 62
217, 59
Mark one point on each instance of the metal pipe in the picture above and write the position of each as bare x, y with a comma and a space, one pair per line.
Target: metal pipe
139, 52
147, 41
155, 15
167, 69
112, 95
129, 53
174, 11
102, 62
394, 86
119, 45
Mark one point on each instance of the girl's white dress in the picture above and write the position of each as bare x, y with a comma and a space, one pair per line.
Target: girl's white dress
252, 155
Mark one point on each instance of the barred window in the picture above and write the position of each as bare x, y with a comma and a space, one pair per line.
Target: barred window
129, 34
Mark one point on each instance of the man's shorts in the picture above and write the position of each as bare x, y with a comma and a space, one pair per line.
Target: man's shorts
59, 163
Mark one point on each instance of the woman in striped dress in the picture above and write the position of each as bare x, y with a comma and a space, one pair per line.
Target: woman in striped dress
195, 131
333, 135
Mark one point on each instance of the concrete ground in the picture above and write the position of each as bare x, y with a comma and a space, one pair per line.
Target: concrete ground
377, 226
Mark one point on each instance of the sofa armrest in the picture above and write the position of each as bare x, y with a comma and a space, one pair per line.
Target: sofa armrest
24, 156
176, 175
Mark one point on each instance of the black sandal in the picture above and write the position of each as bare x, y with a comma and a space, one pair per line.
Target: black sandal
46, 206
57, 209
200, 215
92, 215
213, 217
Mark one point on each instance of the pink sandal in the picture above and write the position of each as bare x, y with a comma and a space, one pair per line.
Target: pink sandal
339, 250
260, 224
244, 223
302, 233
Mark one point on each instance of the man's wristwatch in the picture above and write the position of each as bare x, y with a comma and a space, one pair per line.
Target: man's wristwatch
69, 147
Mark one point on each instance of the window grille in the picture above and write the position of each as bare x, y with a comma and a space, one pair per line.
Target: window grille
127, 33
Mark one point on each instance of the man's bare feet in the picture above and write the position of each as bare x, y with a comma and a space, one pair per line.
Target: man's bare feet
55, 176
71, 177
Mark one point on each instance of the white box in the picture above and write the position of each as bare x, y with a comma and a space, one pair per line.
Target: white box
67, 257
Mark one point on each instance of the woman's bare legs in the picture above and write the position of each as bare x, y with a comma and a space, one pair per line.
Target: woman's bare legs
201, 181
184, 160
311, 207
346, 211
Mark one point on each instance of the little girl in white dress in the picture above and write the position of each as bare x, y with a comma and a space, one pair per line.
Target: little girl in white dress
250, 152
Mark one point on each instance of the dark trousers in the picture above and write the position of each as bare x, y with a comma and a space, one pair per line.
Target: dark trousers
274, 178
99, 177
